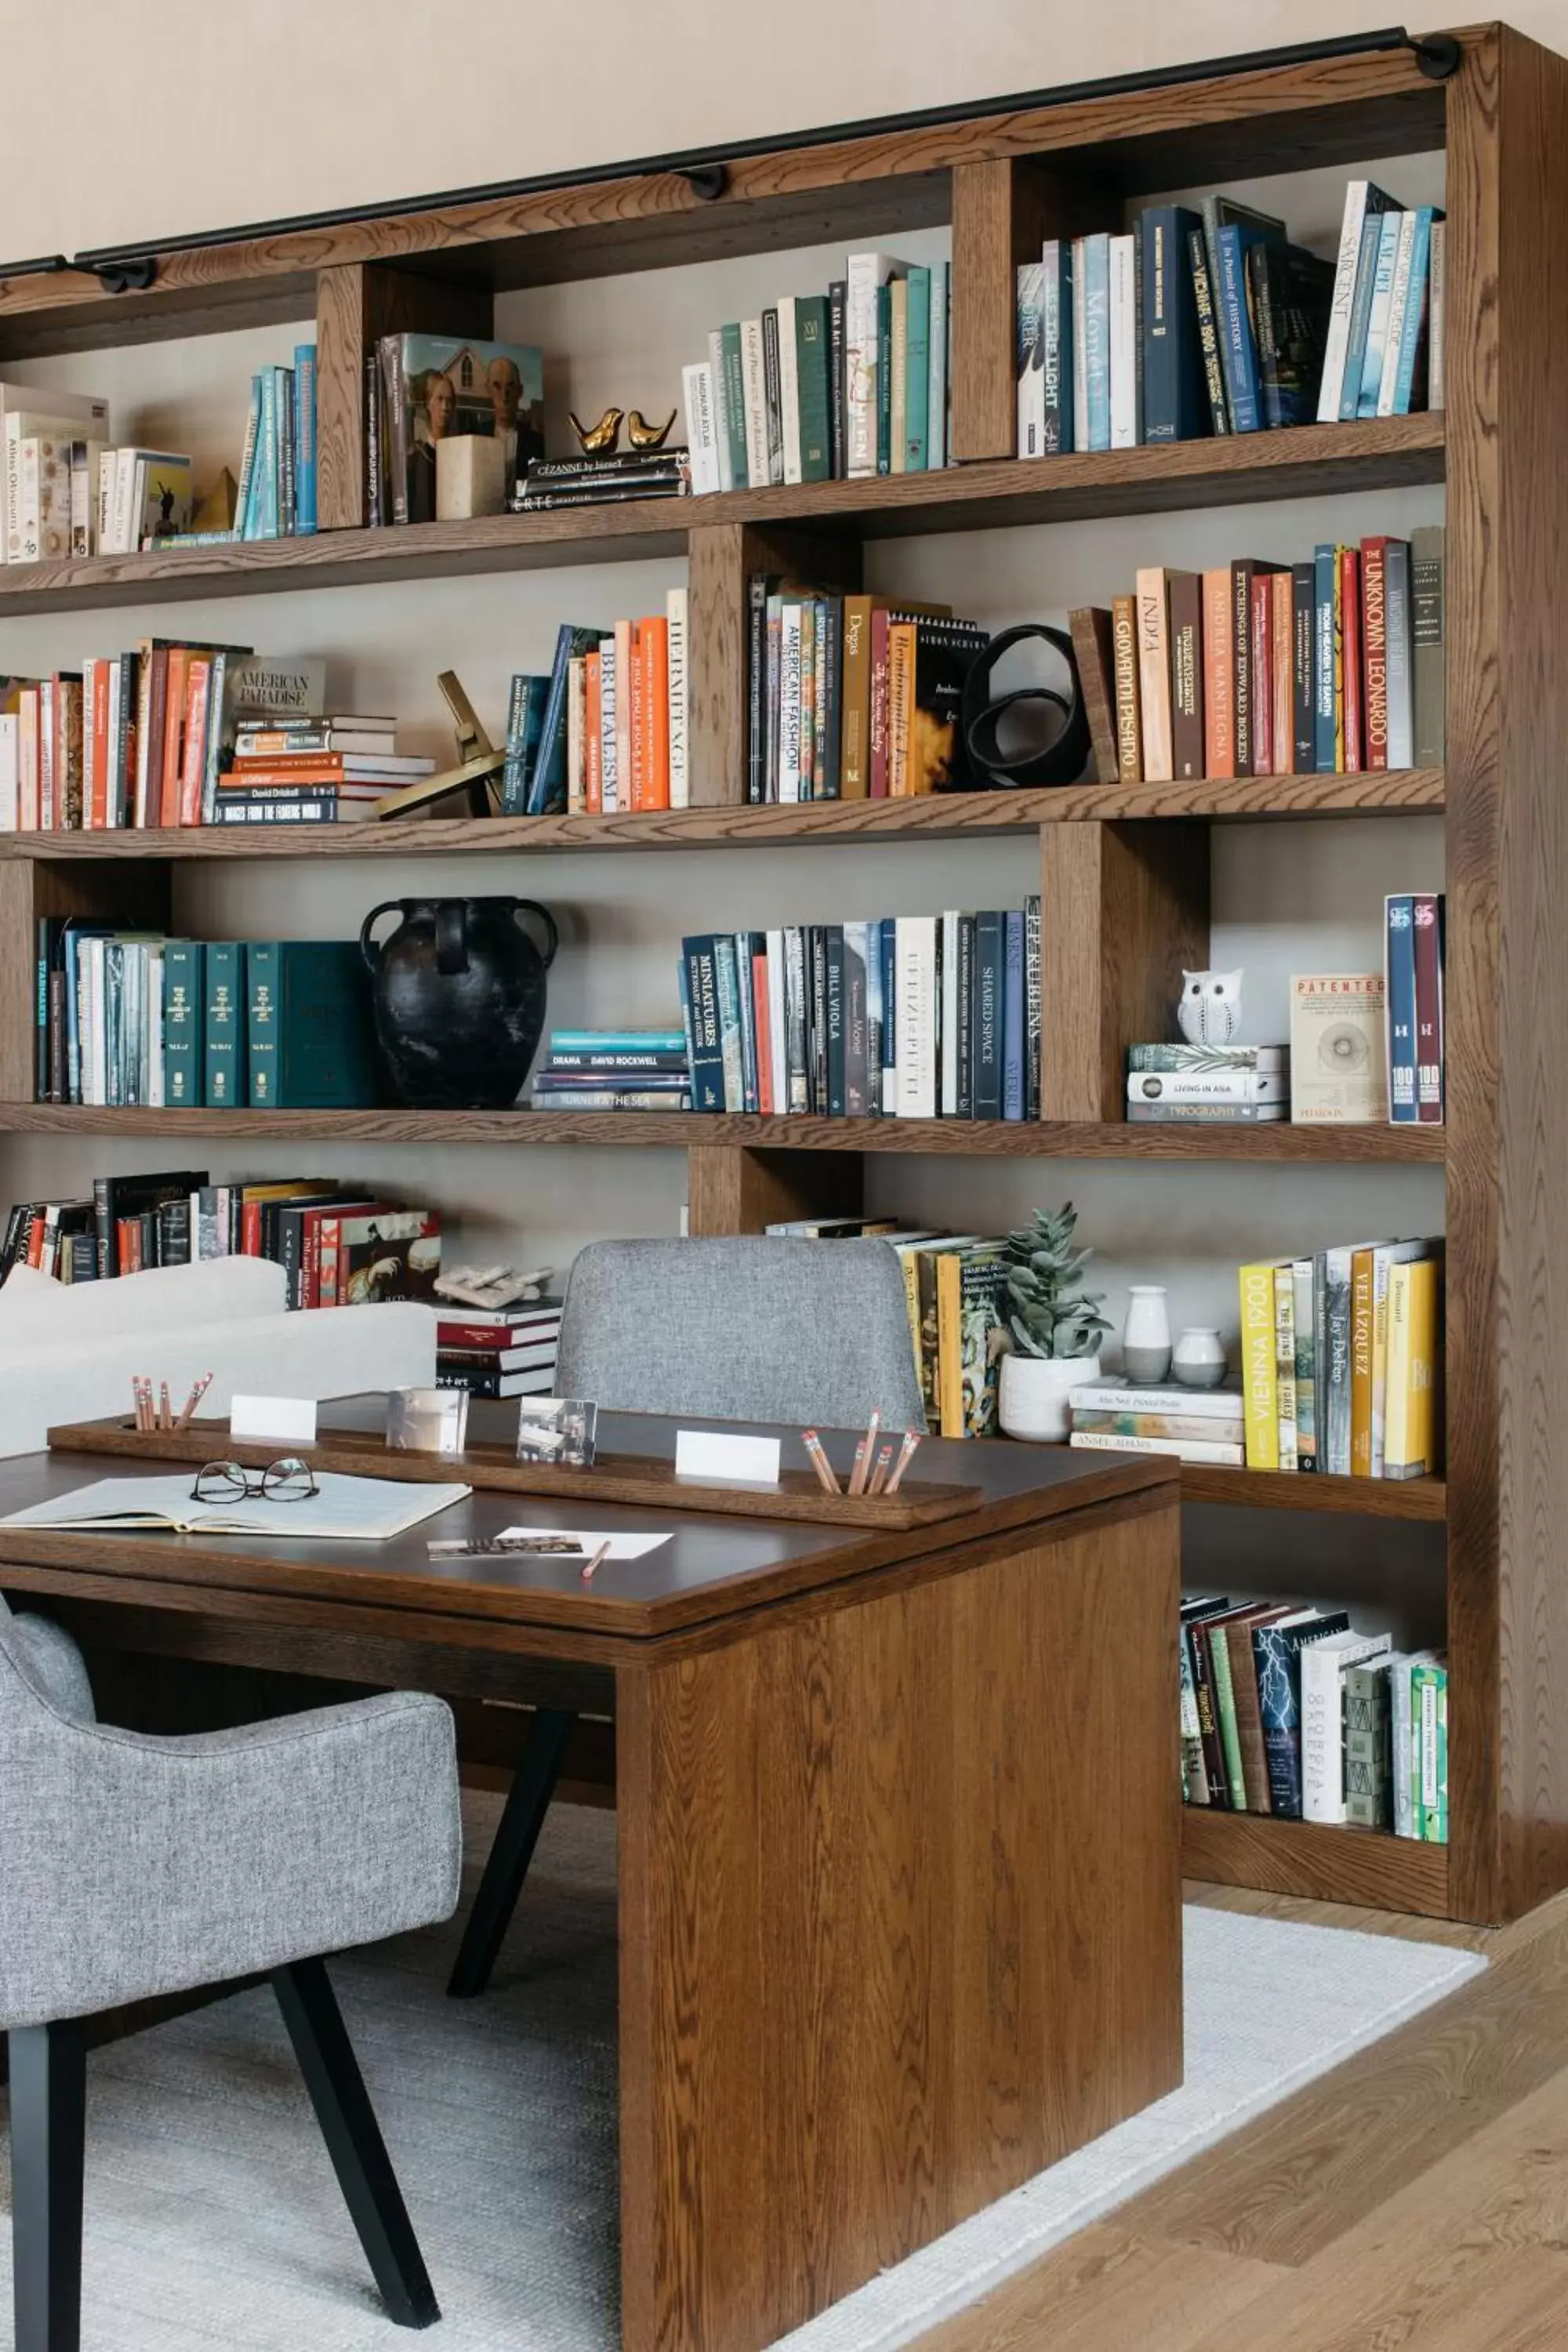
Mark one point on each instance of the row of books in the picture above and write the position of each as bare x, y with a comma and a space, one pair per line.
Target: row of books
339, 1246
76, 423
825, 387
852, 697
608, 730
1342, 1360
1212, 322
1292, 1712
509, 1353
332, 768
130, 1018
614, 1069
141, 738
1329, 667
275, 496
421, 390
909, 1016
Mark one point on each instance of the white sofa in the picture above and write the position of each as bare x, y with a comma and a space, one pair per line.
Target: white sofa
67, 1351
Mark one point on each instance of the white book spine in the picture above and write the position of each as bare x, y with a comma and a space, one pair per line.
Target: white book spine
1079, 348
789, 389
1123, 345
1322, 1719
1399, 302
778, 1044
720, 411
154, 1043
609, 739
864, 273
679, 675
1026, 359
29, 526
754, 379
10, 729
1208, 1085
1226, 1454
1377, 316
107, 470
1436, 311
1337, 343
950, 923
915, 1022
1204, 1404
702, 439
790, 620
936, 396
1402, 1758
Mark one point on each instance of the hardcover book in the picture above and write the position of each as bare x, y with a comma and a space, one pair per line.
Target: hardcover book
440, 385
310, 1035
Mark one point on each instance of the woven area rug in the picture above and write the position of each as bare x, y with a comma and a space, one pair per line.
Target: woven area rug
215, 2225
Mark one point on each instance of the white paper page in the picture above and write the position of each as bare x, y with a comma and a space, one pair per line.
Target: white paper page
358, 1509
621, 1547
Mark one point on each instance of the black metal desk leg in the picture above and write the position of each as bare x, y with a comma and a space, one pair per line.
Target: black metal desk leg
49, 2101
516, 1837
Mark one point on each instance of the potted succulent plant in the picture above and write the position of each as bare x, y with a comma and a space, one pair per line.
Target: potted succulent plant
1054, 1327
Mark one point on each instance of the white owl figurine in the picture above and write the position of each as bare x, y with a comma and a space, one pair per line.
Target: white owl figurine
1210, 1009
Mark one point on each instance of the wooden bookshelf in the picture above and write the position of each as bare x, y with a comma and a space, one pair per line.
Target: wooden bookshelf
1123, 872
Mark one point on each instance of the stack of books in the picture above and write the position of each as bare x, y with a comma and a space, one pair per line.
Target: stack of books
614, 1070
591, 481
1180, 1085
129, 1018
851, 697
607, 730
509, 1353
1342, 1360
1292, 1712
423, 389
326, 769
1193, 1424
907, 1016
1332, 665
338, 1246
54, 513
823, 387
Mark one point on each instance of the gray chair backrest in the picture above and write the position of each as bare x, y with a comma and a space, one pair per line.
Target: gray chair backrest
743, 1329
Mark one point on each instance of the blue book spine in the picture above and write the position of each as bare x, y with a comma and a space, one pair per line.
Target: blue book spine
283, 410
1013, 1015
1174, 405
1414, 310
184, 1024
989, 1014
548, 788
1238, 351
701, 974
223, 1087
1096, 338
936, 371
1377, 325
304, 437
1274, 1655
728, 991
1361, 314
617, 1041
1325, 559
262, 516
1400, 950
917, 372
889, 952
1057, 344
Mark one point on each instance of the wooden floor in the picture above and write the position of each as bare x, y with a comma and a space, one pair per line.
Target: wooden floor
1416, 2197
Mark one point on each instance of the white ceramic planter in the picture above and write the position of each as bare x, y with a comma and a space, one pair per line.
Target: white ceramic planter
1035, 1393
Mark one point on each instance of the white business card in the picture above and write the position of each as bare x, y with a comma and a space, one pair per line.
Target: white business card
709, 1454
263, 1418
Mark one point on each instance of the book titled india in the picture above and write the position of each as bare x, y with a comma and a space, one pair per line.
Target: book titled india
310, 1038
223, 1086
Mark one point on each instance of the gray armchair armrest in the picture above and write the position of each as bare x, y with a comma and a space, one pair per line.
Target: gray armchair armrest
134, 1866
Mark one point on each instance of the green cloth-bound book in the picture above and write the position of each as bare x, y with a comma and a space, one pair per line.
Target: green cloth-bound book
917, 397
309, 1037
223, 1085
811, 362
184, 1025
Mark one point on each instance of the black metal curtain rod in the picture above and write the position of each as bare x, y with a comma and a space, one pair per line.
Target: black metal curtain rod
1438, 54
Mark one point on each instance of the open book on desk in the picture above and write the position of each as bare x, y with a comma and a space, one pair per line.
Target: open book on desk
361, 1510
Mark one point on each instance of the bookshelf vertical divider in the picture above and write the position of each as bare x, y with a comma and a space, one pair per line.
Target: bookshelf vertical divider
721, 559
357, 302
1003, 210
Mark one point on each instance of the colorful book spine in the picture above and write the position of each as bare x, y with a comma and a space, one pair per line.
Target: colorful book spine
1260, 1385
1399, 997
304, 437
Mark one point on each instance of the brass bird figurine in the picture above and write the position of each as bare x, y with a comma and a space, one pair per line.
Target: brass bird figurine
599, 440
644, 436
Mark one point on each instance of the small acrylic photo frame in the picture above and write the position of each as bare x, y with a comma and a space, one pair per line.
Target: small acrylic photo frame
426, 1420
557, 1429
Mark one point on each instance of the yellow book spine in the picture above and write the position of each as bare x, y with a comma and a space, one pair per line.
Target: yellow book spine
1361, 1364
1422, 1458
1260, 1387
1396, 1375
949, 1341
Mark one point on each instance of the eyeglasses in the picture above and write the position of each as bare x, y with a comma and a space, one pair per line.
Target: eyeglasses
289, 1480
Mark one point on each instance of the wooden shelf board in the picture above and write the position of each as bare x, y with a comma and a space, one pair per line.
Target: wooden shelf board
1065, 1138
1331, 1865
1409, 792
1308, 461
1273, 1490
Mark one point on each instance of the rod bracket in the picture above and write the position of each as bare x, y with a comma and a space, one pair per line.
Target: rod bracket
1439, 55
706, 182
129, 276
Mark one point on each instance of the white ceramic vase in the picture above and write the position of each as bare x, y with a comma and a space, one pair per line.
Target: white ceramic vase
1146, 1336
1033, 1404
1198, 1360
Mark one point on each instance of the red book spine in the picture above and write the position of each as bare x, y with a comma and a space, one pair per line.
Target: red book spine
763, 1031
1261, 669
879, 706
250, 1229
1374, 650
1428, 925
1282, 686
1349, 601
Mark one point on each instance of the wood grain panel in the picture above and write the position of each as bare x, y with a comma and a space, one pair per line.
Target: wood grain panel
138, 896
356, 304
1124, 909
934, 1927
735, 1191
1003, 210
1311, 461
1277, 1490
1340, 1864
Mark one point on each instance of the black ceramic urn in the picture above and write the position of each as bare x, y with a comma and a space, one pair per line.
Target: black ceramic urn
458, 991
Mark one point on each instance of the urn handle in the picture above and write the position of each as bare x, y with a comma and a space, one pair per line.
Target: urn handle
370, 949
531, 907
451, 936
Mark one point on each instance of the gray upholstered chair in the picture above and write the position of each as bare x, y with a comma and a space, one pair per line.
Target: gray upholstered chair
132, 1866
741, 1329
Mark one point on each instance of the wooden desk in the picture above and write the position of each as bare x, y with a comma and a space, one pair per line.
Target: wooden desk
899, 1829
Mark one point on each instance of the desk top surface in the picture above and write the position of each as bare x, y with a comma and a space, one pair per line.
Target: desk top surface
712, 1568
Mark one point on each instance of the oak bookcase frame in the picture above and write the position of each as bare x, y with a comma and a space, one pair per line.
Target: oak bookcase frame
1123, 870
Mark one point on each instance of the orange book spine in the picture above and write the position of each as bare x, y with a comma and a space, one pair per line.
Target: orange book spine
1219, 675
1361, 1363
594, 749
762, 1021
193, 748
653, 656
1284, 673
174, 728
100, 746
900, 703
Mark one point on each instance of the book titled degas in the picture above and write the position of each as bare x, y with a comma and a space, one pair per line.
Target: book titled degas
1337, 1075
